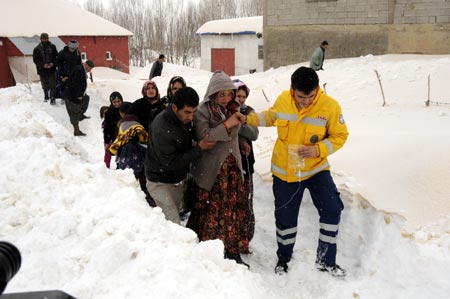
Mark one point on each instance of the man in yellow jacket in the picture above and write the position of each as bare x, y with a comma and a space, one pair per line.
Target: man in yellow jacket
310, 127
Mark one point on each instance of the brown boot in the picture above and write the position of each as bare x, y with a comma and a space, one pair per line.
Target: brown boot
76, 130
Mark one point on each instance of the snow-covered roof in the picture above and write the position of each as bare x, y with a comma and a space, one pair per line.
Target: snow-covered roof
28, 18
250, 25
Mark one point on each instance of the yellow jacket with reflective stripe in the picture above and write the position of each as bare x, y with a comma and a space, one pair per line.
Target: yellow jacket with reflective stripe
321, 124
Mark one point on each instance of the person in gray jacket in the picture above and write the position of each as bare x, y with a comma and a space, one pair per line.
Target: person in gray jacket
220, 209
318, 56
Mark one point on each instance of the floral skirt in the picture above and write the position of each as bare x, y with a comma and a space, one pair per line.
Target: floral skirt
223, 213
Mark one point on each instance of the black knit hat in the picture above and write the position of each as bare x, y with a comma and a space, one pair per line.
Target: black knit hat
115, 95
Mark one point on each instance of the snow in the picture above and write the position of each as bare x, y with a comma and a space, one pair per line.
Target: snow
88, 231
249, 25
56, 17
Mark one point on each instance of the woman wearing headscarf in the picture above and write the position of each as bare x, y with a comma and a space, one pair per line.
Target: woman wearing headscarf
147, 107
247, 134
220, 209
109, 125
175, 83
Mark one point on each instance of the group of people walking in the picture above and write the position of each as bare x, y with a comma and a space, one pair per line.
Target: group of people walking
208, 143
71, 71
197, 156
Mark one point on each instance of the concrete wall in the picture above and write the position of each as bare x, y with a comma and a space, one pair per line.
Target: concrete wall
246, 51
293, 28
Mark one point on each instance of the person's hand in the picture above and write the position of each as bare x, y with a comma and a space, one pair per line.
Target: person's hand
245, 148
241, 117
64, 79
205, 144
235, 120
308, 151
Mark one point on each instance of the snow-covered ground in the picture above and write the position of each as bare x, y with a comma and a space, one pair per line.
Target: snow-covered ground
88, 231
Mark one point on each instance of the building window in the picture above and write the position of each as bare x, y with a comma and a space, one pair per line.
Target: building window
108, 55
83, 56
260, 52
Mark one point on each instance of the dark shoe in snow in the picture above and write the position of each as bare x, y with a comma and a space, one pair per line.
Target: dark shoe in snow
281, 268
52, 101
236, 257
79, 133
184, 216
335, 270
151, 202
46, 100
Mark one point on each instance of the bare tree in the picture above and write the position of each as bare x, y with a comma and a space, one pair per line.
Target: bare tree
96, 7
169, 26
250, 8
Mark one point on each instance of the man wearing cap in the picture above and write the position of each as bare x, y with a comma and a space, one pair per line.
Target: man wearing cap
75, 94
68, 58
44, 56
157, 67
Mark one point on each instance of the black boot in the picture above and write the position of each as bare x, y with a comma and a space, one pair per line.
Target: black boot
281, 268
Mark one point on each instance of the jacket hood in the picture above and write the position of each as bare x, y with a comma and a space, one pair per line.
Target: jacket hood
219, 81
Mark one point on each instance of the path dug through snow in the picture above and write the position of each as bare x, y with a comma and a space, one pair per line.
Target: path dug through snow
87, 230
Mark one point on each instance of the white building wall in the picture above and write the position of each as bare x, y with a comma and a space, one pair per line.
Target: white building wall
246, 51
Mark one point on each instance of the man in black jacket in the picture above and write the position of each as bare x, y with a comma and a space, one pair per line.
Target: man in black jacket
157, 67
75, 93
171, 150
68, 58
44, 56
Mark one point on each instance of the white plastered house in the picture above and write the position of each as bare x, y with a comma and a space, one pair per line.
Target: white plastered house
232, 45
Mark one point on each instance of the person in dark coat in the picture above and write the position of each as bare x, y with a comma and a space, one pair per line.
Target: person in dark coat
247, 134
175, 83
147, 107
157, 67
170, 151
44, 56
68, 58
75, 93
110, 129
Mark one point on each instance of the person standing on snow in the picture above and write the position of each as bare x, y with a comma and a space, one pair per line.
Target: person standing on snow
147, 107
44, 56
68, 58
110, 129
170, 151
310, 127
220, 209
75, 93
157, 67
247, 134
318, 56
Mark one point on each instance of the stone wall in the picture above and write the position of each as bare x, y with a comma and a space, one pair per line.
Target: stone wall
293, 28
